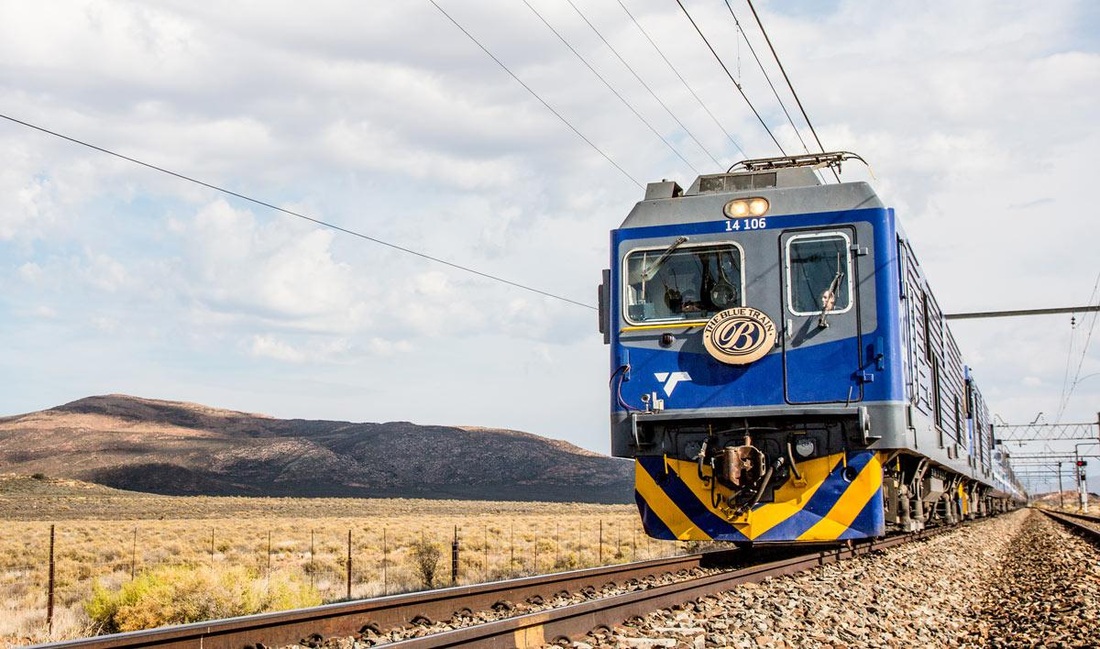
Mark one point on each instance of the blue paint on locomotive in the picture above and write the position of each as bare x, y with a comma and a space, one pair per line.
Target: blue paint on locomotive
877, 376
872, 337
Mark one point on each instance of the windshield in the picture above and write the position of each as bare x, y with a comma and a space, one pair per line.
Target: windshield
818, 278
689, 283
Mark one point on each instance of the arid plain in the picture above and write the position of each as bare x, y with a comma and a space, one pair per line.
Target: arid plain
243, 555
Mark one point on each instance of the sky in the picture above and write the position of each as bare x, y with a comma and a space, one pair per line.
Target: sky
978, 120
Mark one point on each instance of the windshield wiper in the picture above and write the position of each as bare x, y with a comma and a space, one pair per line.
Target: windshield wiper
651, 270
828, 298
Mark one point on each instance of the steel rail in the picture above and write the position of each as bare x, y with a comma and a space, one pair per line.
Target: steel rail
349, 618
1073, 522
534, 629
573, 622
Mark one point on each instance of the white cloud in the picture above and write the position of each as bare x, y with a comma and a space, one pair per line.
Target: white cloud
276, 270
312, 350
106, 325
104, 273
30, 272
386, 120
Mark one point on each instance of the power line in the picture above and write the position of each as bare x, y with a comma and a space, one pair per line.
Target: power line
536, 95
767, 77
682, 80
728, 74
1069, 361
610, 87
299, 215
1084, 351
644, 84
788, 80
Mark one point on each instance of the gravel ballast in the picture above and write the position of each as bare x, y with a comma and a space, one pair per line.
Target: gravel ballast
1017, 580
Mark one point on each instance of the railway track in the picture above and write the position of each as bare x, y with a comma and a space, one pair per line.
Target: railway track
538, 629
351, 618
524, 630
1083, 524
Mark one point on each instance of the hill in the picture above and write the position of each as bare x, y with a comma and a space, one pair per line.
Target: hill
176, 448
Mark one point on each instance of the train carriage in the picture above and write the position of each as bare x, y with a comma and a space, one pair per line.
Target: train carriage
780, 370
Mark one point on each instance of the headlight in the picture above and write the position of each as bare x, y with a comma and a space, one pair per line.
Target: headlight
805, 447
742, 207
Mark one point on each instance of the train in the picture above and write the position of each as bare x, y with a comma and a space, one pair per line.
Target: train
780, 370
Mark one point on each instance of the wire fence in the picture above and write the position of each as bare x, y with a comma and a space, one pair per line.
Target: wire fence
51, 571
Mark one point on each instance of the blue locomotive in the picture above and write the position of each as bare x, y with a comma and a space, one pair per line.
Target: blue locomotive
780, 370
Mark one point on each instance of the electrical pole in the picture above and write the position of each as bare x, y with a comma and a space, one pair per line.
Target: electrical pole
1061, 494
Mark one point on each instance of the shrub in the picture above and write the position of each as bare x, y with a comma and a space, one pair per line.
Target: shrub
178, 595
426, 558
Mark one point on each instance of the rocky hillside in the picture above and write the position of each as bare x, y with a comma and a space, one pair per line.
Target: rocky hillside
176, 448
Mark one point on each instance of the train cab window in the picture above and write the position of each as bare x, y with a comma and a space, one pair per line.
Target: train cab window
818, 276
679, 283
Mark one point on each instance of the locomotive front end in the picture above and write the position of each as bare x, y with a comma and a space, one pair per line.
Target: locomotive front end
747, 357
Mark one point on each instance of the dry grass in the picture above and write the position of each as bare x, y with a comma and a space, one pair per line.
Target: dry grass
109, 538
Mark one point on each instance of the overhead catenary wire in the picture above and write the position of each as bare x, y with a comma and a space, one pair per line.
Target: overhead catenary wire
644, 84
536, 95
798, 101
1069, 362
682, 79
730, 75
332, 226
610, 87
1069, 387
767, 77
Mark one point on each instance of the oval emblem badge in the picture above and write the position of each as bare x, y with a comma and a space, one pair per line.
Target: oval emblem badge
739, 336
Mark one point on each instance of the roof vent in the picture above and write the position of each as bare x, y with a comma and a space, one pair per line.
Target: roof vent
663, 189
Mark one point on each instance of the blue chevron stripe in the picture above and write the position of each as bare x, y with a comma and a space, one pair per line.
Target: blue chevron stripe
686, 500
820, 504
870, 522
651, 522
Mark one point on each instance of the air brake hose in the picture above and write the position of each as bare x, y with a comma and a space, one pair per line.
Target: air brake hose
790, 457
764, 483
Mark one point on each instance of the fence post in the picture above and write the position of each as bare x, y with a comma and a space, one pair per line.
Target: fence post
349, 564
454, 558
312, 576
133, 556
49, 598
601, 541
269, 557
557, 545
385, 568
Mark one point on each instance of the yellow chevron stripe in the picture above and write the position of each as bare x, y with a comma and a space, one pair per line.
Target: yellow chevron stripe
849, 505
670, 514
790, 497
